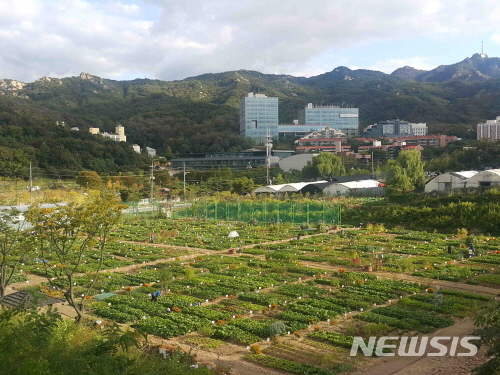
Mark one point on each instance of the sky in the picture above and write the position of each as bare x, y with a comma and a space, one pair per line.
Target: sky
173, 40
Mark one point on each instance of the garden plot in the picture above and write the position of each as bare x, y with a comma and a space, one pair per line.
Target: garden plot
202, 234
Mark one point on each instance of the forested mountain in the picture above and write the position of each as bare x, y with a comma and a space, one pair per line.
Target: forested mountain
200, 113
479, 67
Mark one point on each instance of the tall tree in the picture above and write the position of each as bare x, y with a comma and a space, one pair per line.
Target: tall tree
406, 173
324, 165
89, 179
243, 185
68, 235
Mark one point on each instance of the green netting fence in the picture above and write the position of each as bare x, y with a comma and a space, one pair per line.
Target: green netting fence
265, 212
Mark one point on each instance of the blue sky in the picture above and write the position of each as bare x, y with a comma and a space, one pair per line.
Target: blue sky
170, 40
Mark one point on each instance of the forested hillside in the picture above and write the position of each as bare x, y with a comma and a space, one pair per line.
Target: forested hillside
200, 114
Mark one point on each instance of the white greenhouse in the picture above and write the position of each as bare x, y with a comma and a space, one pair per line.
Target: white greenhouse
489, 177
284, 188
363, 187
449, 181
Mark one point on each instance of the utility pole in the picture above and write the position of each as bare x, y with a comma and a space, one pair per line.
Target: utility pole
152, 181
184, 181
373, 171
269, 145
31, 186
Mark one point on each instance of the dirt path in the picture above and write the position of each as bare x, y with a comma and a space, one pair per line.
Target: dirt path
425, 365
373, 366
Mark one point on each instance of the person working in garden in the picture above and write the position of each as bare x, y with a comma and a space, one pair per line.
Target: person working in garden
472, 250
155, 295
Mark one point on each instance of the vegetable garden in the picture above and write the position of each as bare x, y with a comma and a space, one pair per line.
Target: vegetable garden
281, 296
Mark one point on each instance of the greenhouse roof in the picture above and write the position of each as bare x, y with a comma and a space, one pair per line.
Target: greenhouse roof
362, 184
26, 299
295, 187
269, 189
464, 175
284, 188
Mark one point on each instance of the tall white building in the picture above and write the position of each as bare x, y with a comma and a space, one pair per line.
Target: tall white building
489, 130
258, 114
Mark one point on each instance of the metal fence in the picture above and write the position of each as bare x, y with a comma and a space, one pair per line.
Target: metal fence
264, 212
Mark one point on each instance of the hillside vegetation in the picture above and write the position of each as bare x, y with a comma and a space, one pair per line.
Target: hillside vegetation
200, 114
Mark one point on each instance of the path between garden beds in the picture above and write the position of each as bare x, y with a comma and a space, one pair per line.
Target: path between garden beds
385, 366
429, 365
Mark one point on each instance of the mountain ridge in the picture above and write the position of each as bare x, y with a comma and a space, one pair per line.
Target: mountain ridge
200, 113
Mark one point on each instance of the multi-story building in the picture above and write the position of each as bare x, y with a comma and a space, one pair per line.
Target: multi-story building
395, 128
298, 130
118, 136
424, 141
258, 116
341, 118
234, 160
325, 133
489, 130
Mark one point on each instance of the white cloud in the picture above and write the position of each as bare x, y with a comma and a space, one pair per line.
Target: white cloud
176, 39
495, 38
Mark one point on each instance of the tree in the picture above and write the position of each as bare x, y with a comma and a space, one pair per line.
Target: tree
406, 173
279, 180
89, 179
42, 343
489, 333
69, 234
324, 165
14, 246
168, 153
243, 185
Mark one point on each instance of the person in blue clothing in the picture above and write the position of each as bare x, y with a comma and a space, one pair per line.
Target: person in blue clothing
155, 295
472, 250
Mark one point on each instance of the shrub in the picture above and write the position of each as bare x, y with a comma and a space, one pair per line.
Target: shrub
256, 349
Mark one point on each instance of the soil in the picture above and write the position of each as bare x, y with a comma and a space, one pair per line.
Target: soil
425, 365
230, 356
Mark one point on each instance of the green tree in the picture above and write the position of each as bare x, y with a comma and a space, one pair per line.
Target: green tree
489, 332
41, 343
279, 179
325, 165
168, 153
14, 246
70, 234
89, 179
406, 173
243, 185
